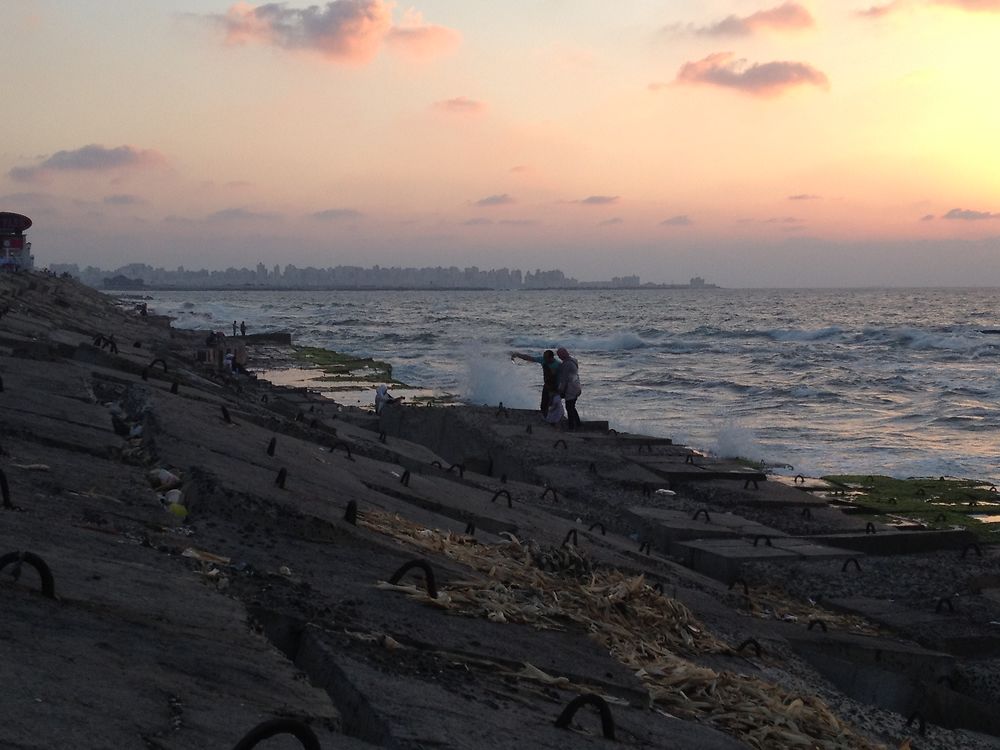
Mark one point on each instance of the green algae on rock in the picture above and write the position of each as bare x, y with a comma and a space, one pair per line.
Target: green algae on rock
935, 502
346, 367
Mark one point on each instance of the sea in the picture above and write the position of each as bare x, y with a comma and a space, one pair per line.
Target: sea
901, 382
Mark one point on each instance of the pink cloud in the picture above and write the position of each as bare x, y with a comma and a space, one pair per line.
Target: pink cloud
759, 79
343, 31
418, 41
787, 17
986, 6
92, 158
460, 105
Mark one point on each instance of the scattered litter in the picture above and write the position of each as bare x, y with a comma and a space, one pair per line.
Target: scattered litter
203, 556
671, 493
285, 571
31, 467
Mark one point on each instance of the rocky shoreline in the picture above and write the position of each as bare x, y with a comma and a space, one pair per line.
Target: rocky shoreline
221, 551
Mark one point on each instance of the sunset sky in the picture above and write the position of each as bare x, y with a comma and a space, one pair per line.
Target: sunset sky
755, 143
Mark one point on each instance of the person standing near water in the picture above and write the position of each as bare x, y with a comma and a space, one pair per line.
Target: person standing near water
550, 375
569, 386
234, 328
243, 328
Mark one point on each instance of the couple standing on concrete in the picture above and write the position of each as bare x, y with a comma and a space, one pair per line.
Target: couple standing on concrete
560, 379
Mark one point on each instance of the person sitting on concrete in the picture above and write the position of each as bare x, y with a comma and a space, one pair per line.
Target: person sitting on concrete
383, 398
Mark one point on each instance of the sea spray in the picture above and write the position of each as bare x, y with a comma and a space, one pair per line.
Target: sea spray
492, 377
735, 440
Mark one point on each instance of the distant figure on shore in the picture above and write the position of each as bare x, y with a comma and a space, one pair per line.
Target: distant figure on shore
243, 328
569, 386
383, 398
550, 375
234, 328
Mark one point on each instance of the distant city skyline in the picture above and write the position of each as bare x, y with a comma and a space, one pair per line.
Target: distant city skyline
754, 142
135, 276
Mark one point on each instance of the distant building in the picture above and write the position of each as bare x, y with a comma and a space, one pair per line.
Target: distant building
15, 250
697, 282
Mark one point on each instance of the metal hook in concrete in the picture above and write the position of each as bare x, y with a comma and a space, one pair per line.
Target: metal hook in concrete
152, 364
607, 721
917, 715
428, 575
765, 537
699, 512
647, 491
814, 623
461, 469
571, 534
857, 565
595, 525
470, 529
645, 547
351, 514
5, 491
282, 476
592, 468
973, 546
345, 446
689, 458
807, 514
271, 446
267, 729
555, 496
746, 588
799, 478
658, 588
382, 437
560, 440
48, 584
945, 600
225, 415
437, 464
746, 484
405, 479
869, 528
529, 429
175, 387
750, 642
498, 493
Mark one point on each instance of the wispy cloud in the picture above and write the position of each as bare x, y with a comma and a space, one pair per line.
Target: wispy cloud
611, 222
343, 31
502, 199
337, 214
598, 200
123, 199
418, 41
787, 17
927, 217
759, 79
962, 214
803, 197
895, 6
460, 105
92, 158
241, 214
683, 220
519, 222
880, 11
981, 6
478, 222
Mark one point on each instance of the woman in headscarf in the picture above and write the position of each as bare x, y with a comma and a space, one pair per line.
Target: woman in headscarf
569, 386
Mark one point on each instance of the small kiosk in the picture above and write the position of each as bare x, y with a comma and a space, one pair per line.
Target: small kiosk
15, 250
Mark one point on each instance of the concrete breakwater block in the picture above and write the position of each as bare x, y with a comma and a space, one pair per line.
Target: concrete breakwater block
698, 469
891, 542
666, 527
723, 559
